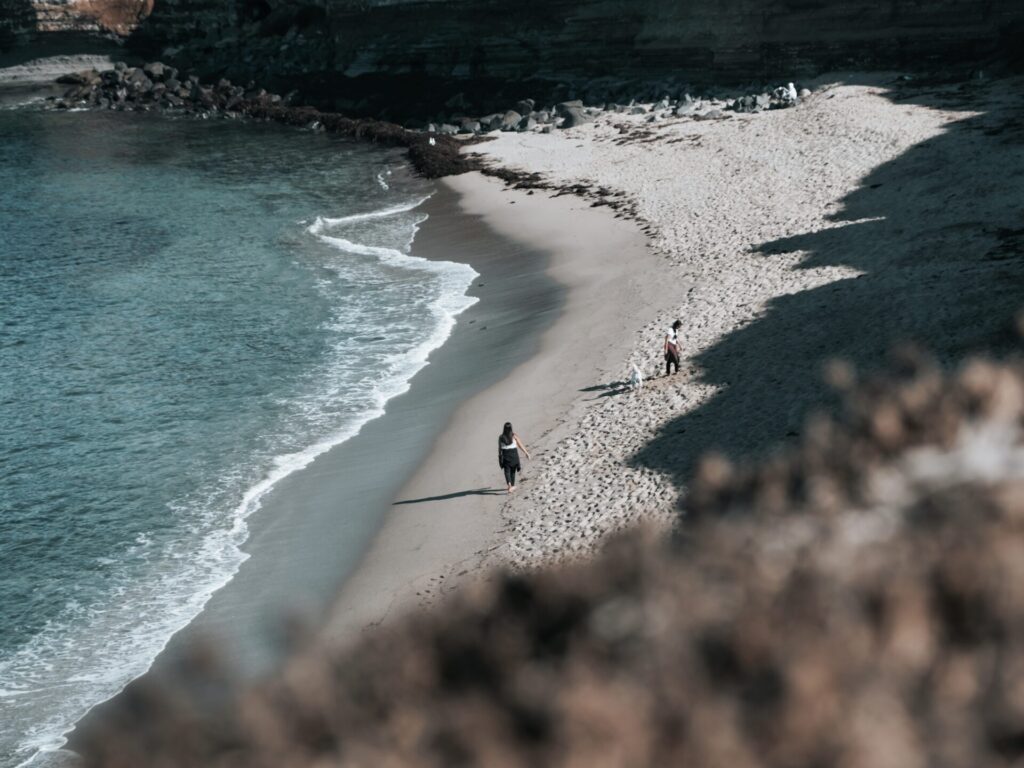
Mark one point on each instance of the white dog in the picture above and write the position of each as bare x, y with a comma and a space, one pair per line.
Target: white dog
636, 379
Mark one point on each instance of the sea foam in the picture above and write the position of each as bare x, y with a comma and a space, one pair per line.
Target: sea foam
189, 576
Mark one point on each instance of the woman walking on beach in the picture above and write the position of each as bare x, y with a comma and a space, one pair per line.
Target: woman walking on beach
672, 347
508, 454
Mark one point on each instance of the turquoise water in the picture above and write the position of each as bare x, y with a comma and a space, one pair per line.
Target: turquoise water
189, 311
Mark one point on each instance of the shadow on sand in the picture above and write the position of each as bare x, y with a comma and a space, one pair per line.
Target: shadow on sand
938, 234
454, 495
610, 389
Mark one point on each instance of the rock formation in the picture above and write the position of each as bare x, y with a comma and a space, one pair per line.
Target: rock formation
398, 58
34, 22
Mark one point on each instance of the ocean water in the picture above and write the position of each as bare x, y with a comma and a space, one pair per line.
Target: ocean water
189, 311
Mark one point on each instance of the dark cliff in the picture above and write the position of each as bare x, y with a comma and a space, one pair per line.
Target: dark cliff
17, 20
43, 27
404, 52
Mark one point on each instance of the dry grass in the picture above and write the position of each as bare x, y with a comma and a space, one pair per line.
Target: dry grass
855, 602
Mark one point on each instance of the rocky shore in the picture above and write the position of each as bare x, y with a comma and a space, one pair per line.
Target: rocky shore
157, 86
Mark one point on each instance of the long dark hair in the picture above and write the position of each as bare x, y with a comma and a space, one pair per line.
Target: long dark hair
506, 434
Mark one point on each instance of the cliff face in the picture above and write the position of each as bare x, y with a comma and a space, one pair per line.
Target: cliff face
17, 21
362, 54
356, 50
27, 22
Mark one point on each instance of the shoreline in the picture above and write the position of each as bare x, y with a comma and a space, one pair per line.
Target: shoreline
439, 536
546, 290
314, 524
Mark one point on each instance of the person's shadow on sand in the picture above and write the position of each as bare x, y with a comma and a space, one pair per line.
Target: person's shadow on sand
455, 495
607, 390
938, 237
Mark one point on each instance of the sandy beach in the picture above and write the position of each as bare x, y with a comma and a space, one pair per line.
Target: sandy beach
449, 522
838, 228
865, 217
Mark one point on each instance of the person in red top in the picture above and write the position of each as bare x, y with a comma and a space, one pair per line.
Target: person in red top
672, 349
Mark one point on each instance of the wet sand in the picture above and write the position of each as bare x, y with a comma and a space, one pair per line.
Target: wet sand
314, 526
448, 522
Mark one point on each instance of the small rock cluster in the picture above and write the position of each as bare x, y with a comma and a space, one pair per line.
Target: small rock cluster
526, 116
158, 86
780, 98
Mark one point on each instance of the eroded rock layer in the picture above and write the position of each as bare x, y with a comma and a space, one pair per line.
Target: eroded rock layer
403, 51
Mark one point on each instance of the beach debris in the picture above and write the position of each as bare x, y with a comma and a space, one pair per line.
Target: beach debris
525, 106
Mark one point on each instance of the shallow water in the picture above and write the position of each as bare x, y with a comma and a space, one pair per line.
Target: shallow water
189, 311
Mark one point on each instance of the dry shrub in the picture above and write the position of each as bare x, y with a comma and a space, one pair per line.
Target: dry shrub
857, 602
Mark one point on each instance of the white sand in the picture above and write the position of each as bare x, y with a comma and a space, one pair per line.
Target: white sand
425, 550
779, 239
713, 193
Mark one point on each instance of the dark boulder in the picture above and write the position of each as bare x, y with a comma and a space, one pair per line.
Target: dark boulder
491, 122
84, 77
139, 82
155, 70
